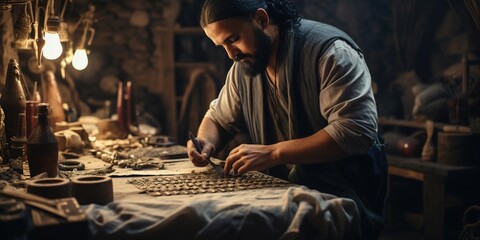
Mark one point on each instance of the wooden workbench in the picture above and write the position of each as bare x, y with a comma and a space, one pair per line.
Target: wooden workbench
438, 182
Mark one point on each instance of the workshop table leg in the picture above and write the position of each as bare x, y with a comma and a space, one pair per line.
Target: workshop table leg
434, 199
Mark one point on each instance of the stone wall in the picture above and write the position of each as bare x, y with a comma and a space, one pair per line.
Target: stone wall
132, 42
137, 41
6, 50
129, 45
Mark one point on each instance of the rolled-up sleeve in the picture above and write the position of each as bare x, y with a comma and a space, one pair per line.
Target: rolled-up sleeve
346, 98
226, 110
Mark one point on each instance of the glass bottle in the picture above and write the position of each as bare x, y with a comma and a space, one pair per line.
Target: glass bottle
42, 146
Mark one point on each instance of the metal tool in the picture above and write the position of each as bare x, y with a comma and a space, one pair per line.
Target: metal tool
50, 217
35, 201
218, 169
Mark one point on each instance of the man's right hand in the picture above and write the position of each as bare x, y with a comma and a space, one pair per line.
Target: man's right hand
200, 159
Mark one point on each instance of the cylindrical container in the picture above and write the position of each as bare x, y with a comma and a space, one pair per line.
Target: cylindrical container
120, 105
19, 148
51, 188
12, 99
31, 116
18, 144
128, 107
456, 149
61, 140
42, 146
92, 189
125, 106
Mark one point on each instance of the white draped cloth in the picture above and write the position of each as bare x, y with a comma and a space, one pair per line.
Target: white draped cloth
274, 213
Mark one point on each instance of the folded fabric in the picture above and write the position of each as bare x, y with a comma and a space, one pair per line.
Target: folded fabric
293, 213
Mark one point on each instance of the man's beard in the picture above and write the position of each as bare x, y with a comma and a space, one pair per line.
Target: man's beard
260, 56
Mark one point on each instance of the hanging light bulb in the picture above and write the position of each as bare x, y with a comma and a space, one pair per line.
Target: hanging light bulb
80, 59
53, 48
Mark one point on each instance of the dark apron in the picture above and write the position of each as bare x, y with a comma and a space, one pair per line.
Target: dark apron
362, 178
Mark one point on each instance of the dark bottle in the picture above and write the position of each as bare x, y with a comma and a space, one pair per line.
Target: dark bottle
12, 100
42, 146
121, 105
125, 107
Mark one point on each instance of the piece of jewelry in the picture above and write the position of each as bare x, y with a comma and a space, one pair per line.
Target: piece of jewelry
70, 165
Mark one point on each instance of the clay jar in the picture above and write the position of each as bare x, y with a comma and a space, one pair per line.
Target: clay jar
93, 189
51, 188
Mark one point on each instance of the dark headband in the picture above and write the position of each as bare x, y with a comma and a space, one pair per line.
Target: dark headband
215, 10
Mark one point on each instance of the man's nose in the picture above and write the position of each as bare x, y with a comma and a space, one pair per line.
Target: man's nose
232, 52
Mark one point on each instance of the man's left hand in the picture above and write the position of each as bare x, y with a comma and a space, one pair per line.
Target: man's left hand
249, 157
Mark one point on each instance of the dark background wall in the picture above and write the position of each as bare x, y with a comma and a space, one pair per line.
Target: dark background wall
406, 43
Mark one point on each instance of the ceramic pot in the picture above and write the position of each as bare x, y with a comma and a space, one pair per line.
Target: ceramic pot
93, 189
51, 188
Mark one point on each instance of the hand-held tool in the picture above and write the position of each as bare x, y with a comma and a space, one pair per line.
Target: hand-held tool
198, 147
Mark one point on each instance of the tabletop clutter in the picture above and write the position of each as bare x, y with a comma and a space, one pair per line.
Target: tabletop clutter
54, 186
49, 168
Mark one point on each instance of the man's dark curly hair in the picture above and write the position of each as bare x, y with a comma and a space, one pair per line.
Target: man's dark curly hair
282, 12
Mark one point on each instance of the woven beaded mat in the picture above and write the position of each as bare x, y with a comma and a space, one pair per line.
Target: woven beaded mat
204, 182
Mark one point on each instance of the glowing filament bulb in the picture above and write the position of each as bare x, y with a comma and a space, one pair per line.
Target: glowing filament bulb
80, 59
53, 48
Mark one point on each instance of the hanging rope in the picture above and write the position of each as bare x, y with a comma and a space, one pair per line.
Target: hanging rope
473, 7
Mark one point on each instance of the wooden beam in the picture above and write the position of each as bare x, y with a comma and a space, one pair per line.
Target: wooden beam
402, 172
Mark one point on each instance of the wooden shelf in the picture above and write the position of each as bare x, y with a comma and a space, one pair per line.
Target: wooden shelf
427, 167
405, 123
183, 70
439, 181
421, 125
